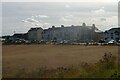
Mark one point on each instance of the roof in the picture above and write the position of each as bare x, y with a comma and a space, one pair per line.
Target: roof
117, 29
67, 27
17, 34
35, 29
113, 29
70, 27
20, 34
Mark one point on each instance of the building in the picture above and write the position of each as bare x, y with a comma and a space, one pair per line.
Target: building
112, 34
72, 33
21, 36
35, 34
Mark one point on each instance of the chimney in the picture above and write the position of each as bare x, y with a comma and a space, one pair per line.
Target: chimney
53, 26
83, 24
72, 25
62, 25
93, 25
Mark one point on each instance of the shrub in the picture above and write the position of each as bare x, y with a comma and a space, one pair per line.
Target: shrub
107, 62
105, 67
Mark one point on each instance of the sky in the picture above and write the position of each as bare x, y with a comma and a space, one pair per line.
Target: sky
19, 17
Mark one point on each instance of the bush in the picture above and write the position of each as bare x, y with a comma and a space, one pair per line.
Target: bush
105, 67
107, 62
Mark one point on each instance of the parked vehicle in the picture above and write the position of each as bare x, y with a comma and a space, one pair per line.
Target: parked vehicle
42, 42
112, 42
119, 41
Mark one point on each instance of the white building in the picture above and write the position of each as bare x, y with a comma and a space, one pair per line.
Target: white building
112, 34
35, 34
72, 33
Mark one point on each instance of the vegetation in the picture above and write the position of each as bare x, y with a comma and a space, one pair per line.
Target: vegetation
104, 68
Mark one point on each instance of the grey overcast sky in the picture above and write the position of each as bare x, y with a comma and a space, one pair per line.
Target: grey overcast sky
21, 16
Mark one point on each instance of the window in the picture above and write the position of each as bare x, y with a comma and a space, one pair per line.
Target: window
117, 39
116, 33
105, 38
111, 34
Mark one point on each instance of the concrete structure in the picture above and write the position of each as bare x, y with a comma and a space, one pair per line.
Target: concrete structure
112, 34
72, 33
35, 34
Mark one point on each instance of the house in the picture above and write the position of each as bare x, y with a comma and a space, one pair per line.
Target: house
21, 36
35, 34
112, 34
72, 33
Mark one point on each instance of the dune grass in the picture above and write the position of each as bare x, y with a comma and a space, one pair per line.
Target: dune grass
105, 68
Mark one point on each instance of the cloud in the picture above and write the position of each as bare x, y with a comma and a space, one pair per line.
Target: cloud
112, 20
103, 19
67, 6
67, 18
57, 14
35, 21
37, 24
34, 18
42, 16
105, 22
64, 19
24, 21
30, 20
46, 25
99, 11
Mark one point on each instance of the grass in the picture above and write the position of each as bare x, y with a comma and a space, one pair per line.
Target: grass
104, 68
